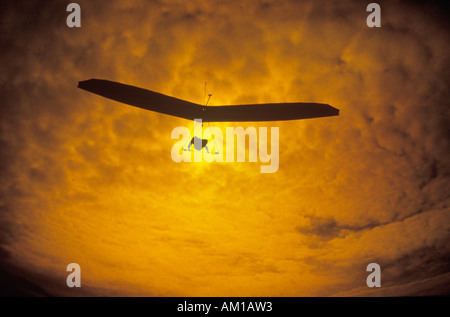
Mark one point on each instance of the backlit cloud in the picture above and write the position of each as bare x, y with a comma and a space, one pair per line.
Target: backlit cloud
91, 181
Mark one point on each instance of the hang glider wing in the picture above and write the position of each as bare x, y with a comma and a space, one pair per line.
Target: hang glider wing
269, 112
157, 102
142, 98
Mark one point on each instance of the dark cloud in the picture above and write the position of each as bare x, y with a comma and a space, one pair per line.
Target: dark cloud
328, 228
86, 178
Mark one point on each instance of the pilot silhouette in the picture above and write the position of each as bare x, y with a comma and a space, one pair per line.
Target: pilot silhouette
200, 144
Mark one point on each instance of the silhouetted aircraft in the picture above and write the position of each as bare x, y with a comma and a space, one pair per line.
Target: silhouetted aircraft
157, 102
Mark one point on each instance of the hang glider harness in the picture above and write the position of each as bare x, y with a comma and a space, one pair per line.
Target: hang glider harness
202, 142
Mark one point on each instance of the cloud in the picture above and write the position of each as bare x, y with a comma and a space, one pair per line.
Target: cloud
90, 180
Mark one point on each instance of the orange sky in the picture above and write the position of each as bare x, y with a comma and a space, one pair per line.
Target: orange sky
89, 180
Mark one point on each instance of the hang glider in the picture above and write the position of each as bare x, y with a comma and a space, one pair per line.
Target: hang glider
157, 102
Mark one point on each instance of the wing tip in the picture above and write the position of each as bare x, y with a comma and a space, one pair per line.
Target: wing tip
83, 83
335, 110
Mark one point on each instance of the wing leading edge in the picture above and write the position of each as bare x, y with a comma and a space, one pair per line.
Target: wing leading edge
157, 102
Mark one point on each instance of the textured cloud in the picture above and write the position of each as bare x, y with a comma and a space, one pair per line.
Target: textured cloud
91, 181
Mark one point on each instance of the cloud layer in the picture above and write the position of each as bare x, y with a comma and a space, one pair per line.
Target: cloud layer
91, 181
